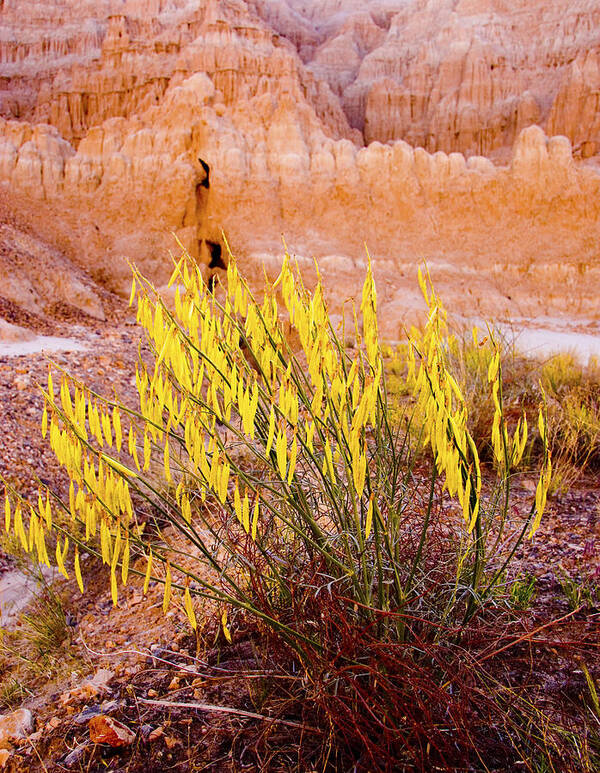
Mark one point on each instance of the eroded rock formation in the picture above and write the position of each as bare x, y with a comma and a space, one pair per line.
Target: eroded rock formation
453, 75
193, 118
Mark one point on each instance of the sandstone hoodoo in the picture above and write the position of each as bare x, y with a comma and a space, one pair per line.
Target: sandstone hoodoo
403, 125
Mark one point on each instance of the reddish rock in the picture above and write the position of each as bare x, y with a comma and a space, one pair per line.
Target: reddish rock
104, 729
17, 724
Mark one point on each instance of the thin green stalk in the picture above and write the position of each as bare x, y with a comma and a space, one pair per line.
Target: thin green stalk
424, 530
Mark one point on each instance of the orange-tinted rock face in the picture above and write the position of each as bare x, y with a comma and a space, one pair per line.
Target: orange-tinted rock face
126, 122
83, 63
454, 75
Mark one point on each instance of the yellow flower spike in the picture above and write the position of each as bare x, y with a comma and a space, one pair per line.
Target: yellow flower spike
281, 451
7, 513
316, 402
125, 562
107, 429
132, 294
359, 469
104, 542
237, 502
224, 481
255, 515
352, 374
523, 440
117, 466
77, 569
496, 437
127, 505
147, 450
189, 609
90, 522
65, 550
45, 421
455, 388
466, 503
48, 512
158, 328
329, 461
369, 518
271, 434
540, 503
118, 430
113, 587
293, 457
98, 427
246, 513
516, 445
494, 367
135, 455
310, 432
226, 631
176, 271
167, 591
355, 393
541, 424
148, 573
423, 286
475, 457
184, 504
495, 395
140, 310
213, 477
40, 544
19, 529
65, 397
474, 515
252, 408
116, 548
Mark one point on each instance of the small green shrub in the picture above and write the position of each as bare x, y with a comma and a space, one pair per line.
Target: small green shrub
579, 592
523, 591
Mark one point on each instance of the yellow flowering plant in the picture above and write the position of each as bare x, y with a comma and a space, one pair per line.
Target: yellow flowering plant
261, 463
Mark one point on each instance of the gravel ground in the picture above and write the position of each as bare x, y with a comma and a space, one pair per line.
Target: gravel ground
107, 364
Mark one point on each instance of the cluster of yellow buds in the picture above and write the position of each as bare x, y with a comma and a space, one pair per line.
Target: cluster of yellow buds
441, 407
541, 492
223, 367
507, 454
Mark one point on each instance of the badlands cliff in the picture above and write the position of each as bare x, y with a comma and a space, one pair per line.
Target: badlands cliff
461, 131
